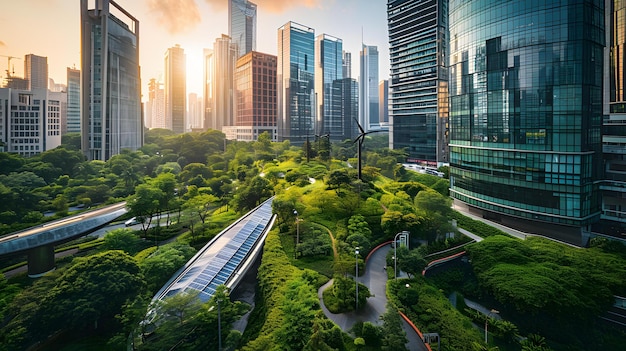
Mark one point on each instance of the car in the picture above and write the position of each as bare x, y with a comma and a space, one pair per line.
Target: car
133, 221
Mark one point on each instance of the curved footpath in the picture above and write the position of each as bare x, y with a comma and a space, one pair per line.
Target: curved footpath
375, 278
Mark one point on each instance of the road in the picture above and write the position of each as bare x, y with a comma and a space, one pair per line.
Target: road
375, 278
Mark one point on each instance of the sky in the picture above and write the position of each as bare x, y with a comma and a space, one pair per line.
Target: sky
51, 28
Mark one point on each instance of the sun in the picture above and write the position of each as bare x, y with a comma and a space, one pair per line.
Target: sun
195, 69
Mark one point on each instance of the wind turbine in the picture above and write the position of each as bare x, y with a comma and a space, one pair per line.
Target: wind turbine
360, 138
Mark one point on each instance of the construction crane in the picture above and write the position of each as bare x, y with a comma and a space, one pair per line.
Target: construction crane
9, 64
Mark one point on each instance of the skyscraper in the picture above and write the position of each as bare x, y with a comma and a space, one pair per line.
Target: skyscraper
346, 57
207, 88
526, 112
613, 218
36, 71
72, 124
418, 37
328, 69
242, 25
175, 89
383, 101
255, 81
368, 88
222, 75
295, 77
194, 111
110, 82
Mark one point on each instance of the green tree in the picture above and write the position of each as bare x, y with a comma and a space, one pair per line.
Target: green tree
298, 307
160, 266
122, 239
394, 337
93, 289
63, 158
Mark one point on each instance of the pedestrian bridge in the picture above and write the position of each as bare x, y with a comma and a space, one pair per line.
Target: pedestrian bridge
39, 241
225, 259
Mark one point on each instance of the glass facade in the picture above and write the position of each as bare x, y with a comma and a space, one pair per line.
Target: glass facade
614, 125
368, 88
418, 116
242, 25
296, 79
111, 101
328, 70
73, 101
175, 90
526, 108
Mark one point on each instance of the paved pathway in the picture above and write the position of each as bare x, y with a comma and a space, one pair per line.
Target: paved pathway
375, 278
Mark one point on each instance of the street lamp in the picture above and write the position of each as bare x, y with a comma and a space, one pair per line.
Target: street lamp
219, 326
486, 319
395, 251
356, 277
295, 251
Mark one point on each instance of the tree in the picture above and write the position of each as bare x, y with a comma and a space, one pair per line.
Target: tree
160, 266
93, 289
63, 158
410, 261
200, 205
394, 338
337, 179
250, 195
145, 203
298, 307
122, 239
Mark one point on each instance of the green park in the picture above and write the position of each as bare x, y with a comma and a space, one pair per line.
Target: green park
543, 295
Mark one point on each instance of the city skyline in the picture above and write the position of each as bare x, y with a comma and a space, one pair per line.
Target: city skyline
193, 24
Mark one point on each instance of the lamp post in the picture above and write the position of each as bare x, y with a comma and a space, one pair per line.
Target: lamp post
487, 319
295, 251
356, 277
219, 326
395, 251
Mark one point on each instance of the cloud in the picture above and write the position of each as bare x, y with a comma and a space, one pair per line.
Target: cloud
272, 6
176, 15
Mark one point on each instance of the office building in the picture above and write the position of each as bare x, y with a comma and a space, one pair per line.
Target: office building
207, 88
194, 111
242, 25
296, 79
346, 58
36, 71
175, 89
220, 75
110, 106
368, 88
255, 82
613, 188
328, 69
349, 88
30, 120
383, 102
526, 113
418, 107
72, 122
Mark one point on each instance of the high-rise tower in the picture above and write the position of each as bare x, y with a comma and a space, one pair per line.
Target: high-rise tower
110, 82
175, 89
526, 112
36, 71
242, 25
72, 124
418, 116
328, 69
295, 77
368, 88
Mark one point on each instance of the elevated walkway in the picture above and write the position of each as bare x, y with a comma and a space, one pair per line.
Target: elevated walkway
225, 259
38, 242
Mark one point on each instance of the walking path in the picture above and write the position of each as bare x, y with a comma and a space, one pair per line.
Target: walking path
375, 278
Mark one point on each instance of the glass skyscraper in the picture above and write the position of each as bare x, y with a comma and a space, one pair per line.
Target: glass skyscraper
110, 82
418, 96
175, 89
368, 87
614, 126
526, 111
296, 79
328, 69
242, 25
72, 124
